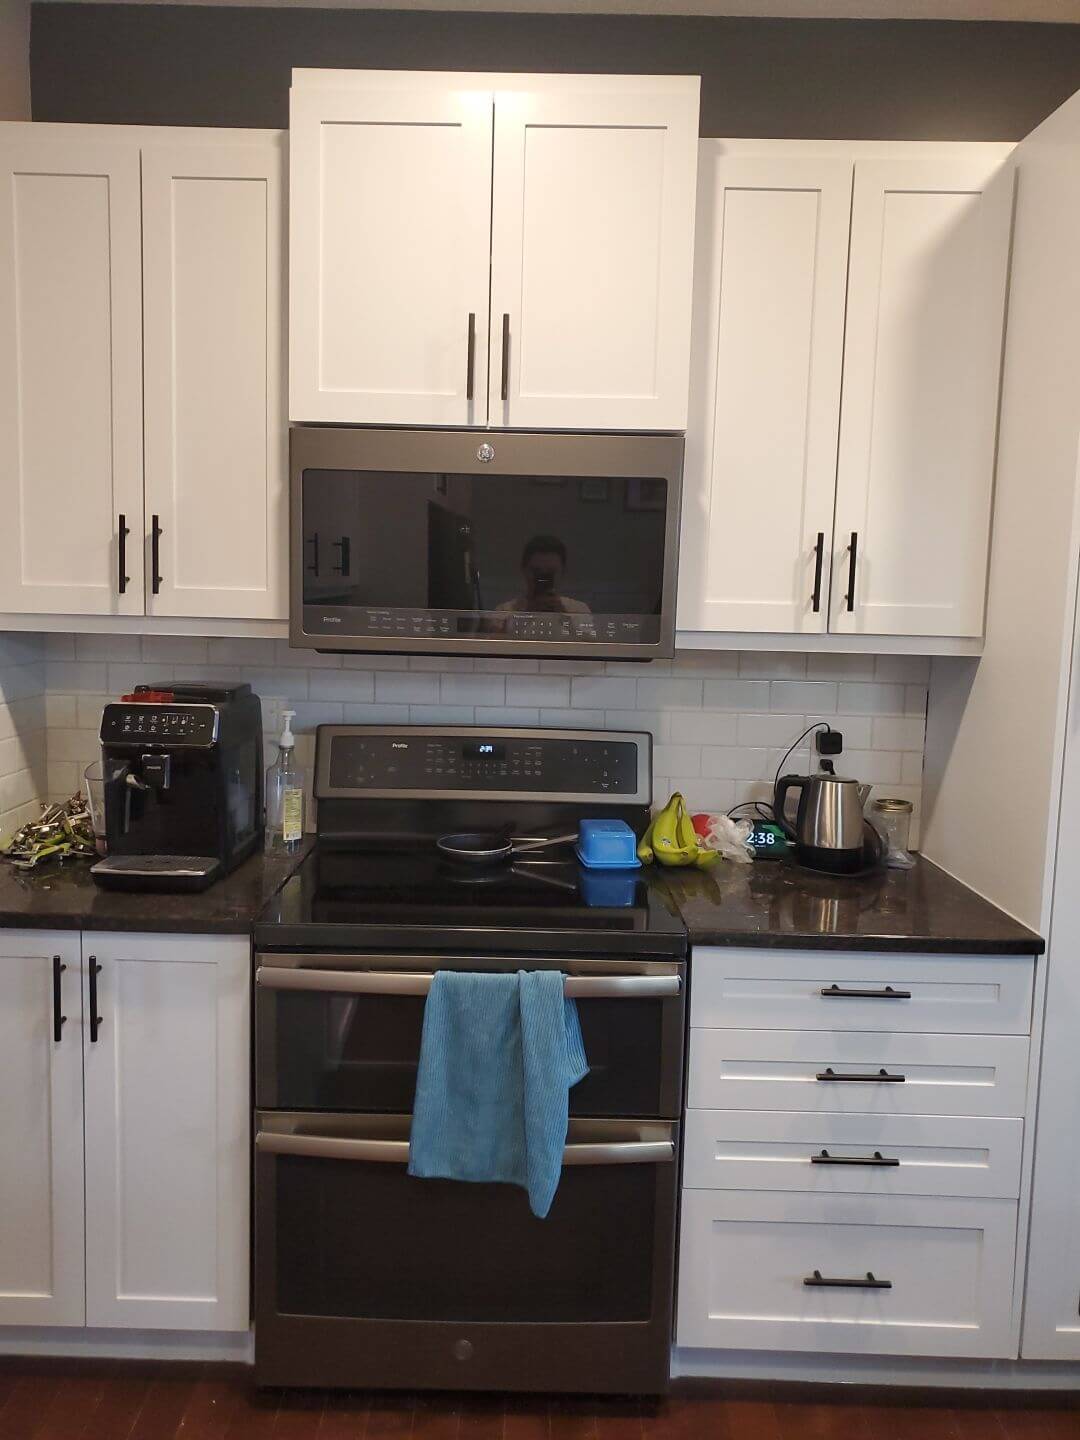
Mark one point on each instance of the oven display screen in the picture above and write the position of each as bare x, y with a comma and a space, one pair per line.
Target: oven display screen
484, 750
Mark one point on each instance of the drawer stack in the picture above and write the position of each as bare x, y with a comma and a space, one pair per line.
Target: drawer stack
852, 1151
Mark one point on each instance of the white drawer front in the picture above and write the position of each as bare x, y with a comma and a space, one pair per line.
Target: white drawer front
779, 1069
826, 1154
808, 990
745, 1255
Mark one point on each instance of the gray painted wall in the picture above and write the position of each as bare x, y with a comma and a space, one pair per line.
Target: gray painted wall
210, 65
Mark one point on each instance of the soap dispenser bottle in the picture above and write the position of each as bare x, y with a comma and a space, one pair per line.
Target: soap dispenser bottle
285, 786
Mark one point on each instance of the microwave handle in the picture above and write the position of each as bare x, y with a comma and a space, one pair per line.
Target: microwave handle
396, 1152
390, 982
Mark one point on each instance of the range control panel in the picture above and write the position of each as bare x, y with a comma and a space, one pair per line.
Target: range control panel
568, 764
159, 724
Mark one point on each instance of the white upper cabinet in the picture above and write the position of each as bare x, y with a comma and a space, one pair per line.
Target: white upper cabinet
765, 393
592, 253
474, 249
216, 437
849, 304
70, 372
41, 1135
922, 360
389, 241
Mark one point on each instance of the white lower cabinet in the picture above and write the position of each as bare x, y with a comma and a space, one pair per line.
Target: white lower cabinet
131, 1128
41, 1141
854, 1190
167, 1125
947, 1263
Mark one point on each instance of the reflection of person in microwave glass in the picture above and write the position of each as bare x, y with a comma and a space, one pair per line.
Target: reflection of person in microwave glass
543, 562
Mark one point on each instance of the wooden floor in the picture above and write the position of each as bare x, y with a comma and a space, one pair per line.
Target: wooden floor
59, 1401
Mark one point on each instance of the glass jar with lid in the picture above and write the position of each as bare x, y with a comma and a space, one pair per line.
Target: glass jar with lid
892, 816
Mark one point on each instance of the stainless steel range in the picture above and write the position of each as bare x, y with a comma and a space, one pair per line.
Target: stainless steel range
365, 1276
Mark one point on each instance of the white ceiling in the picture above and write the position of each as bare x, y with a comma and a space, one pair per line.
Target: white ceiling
1062, 11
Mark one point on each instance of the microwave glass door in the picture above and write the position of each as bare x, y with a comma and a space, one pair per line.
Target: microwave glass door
457, 557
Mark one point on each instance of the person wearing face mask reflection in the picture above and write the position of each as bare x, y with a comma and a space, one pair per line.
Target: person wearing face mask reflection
543, 564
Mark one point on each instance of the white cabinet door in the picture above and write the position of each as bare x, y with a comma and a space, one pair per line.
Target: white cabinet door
592, 256
41, 1139
760, 483
70, 374
390, 206
216, 434
167, 1131
745, 1257
922, 357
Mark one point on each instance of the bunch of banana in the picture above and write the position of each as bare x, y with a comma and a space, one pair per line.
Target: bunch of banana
672, 839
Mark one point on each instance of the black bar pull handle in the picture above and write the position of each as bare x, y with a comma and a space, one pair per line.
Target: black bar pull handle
155, 554
877, 1077
863, 1282
506, 357
58, 1020
122, 577
313, 541
819, 561
853, 550
345, 546
95, 1019
470, 357
837, 992
824, 1158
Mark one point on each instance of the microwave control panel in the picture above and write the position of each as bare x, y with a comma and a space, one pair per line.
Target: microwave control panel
403, 623
569, 766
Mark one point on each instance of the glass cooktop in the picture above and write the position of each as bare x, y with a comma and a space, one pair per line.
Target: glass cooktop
347, 897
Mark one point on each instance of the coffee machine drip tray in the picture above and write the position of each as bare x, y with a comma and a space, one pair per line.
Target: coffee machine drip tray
157, 872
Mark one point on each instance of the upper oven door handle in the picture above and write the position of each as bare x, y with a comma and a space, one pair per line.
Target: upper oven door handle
405, 982
396, 1152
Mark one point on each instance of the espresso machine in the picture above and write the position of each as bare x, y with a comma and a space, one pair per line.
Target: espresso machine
183, 785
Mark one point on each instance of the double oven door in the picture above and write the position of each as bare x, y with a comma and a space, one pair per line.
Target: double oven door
366, 1276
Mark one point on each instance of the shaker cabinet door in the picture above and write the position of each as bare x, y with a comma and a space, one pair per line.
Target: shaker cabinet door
167, 1130
389, 255
70, 374
216, 433
770, 277
41, 1137
592, 257
922, 359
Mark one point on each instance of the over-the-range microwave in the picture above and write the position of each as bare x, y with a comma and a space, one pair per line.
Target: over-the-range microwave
466, 542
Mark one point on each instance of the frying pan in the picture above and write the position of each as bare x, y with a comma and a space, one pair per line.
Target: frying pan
492, 847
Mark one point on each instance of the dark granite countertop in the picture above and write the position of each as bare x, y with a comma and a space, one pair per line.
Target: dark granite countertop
65, 897
776, 904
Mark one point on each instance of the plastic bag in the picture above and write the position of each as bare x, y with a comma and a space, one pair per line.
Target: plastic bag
725, 835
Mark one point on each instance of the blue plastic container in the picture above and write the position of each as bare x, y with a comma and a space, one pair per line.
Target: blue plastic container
607, 845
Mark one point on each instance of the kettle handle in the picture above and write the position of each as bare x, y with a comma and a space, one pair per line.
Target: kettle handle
783, 785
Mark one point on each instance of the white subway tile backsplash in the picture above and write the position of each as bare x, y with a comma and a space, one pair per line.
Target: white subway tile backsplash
410, 689
677, 759
702, 727
537, 690
802, 697
669, 693
472, 690
899, 732
872, 699
603, 692
354, 687
721, 722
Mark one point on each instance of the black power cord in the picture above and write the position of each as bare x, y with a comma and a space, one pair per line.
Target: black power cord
762, 808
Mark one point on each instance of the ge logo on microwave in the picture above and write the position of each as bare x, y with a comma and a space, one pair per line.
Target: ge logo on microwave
486, 454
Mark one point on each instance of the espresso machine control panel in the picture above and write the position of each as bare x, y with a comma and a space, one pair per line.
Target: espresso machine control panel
153, 724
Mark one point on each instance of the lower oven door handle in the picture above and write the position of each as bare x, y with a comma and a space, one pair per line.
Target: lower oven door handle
404, 982
396, 1152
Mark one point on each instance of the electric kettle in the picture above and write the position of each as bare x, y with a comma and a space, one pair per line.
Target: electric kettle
830, 831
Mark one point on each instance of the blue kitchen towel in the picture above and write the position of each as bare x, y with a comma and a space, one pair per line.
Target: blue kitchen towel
498, 1056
